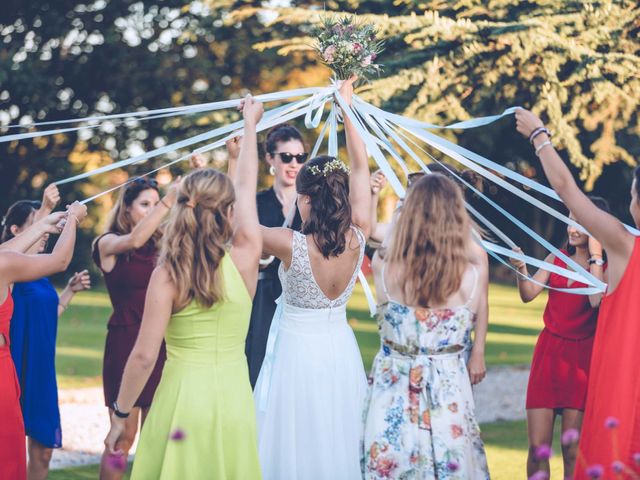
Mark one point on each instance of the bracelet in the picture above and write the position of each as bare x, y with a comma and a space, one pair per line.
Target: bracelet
162, 202
537, 132
117, 411
541, 146
596, 261
267, 261
77, 221
64, 306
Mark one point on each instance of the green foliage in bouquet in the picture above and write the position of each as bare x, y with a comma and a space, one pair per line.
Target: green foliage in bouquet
349, 47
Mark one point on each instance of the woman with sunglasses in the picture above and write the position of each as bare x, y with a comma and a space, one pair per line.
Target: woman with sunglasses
126, 255
285, 154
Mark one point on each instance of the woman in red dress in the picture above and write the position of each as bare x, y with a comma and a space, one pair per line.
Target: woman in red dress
610, 437
17, 267
560, 365
126, 255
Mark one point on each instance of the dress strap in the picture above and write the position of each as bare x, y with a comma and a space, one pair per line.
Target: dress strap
475, 285
384, 283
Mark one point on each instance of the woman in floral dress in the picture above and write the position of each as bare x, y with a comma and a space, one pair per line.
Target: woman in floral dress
419, 420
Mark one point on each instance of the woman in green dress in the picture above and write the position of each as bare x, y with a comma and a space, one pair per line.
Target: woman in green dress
202, 420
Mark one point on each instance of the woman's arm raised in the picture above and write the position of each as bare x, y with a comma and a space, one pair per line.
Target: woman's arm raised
112, 245
359, 189
247, 238
17, 267
23, 242
615, 239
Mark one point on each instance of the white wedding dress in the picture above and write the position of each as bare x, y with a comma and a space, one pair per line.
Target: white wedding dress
310, 391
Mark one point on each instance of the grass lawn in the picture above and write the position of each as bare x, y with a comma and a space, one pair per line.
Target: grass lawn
505, 442
513, 329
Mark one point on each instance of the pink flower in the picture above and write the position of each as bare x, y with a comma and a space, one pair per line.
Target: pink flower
543, 452
329, 54
569, 436
617, 466
636, 458
539, 475
116, 463
453, 466
611, 423
356, 47
373, 56
366, 61
595, 471
177, 435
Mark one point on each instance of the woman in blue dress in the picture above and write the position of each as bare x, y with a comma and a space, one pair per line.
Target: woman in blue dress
33, 343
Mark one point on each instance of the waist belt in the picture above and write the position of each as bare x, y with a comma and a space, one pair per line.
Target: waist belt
389, 348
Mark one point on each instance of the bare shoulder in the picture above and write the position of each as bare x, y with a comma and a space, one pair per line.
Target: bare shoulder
160, 278
477, 254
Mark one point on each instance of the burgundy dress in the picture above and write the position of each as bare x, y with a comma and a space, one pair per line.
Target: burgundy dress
561, 359
127, 286
13, 455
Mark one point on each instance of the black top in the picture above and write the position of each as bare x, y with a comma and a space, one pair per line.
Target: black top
270, 215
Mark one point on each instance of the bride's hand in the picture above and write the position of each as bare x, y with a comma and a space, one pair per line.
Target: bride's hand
346, 89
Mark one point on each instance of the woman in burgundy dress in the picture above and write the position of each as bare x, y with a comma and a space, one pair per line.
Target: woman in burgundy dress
126, 254
561, 359
18, 267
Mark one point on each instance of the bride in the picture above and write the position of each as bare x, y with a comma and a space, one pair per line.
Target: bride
310, 390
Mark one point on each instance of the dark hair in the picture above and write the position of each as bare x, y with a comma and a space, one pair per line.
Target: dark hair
17, 214
281, 133
636, 174
330, 215
602, 204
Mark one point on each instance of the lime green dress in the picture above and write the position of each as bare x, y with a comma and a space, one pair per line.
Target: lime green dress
202, 423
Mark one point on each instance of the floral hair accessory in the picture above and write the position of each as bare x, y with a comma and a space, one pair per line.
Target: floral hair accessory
348, 47
334, 165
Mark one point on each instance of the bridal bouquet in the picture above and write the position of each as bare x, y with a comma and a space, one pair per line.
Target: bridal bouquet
348, 47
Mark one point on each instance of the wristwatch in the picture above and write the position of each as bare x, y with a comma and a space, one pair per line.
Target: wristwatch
117, 411
596, 261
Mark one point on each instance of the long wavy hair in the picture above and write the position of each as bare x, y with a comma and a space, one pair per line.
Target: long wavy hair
119, 220
430, 241
196, 237
330, 214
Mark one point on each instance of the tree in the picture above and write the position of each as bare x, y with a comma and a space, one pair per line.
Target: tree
574, 63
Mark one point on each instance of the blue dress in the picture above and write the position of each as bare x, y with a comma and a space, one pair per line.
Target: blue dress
33, 332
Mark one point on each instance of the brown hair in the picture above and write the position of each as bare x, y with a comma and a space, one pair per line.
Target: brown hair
430, 240
17, 215
281, 133
330, 216
196, 237
119, 221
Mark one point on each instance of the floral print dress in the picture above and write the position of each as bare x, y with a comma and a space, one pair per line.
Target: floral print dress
419, 420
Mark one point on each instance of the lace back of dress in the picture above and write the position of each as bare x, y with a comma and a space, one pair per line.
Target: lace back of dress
299, 286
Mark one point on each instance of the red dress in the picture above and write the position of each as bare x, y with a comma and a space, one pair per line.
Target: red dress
614, 383
127, 285
560, 365
13, 456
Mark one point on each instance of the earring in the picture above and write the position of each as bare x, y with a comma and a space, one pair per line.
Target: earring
272, 170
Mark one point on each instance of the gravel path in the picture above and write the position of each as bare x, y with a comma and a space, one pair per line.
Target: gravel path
501, 396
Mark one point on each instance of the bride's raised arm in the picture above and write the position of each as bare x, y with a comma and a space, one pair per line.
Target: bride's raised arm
359, 189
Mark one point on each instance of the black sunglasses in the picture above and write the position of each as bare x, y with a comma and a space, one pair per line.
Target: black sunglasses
151, 182
288, 157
